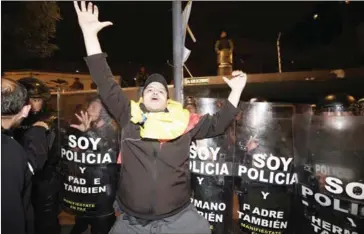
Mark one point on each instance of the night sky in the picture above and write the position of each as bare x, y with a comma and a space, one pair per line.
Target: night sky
142, 31
142, 34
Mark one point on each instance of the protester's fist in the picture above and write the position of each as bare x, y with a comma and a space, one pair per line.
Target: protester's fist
88, 18
238, 81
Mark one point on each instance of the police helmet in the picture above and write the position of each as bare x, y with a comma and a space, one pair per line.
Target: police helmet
361, 102
36, 88
360, 106
335, 103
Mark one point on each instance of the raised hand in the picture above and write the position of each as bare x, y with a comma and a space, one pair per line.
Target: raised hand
252, 143
88, 18
25, 111
237, 85
238, 81
85, 122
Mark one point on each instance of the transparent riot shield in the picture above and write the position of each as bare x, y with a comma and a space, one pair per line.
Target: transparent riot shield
264, 171
89, 151
211, 163
329, 161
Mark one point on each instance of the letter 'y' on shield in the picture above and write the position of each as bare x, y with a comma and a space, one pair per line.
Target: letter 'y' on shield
185, 16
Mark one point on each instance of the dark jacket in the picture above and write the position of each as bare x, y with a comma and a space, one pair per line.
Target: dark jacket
42, 155
155, 181
42, 150
16, 184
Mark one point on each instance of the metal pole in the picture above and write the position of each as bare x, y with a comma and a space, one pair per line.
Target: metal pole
177, 50
279, 53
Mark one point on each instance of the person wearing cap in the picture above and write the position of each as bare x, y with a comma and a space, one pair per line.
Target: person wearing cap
154, 187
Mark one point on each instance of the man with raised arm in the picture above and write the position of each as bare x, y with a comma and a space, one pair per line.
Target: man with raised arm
154, 190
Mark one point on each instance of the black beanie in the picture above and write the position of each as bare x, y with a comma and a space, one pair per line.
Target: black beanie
156, 78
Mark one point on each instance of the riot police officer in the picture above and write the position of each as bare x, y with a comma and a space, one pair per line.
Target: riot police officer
46, 179
214, 189
92, 209
264, 135
335, 105
330, 156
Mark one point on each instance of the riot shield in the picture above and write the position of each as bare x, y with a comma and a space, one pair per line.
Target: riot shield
265, 178
330, 160
211, 163
89, 151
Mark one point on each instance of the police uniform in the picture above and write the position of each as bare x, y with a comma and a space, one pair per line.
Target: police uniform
46, 184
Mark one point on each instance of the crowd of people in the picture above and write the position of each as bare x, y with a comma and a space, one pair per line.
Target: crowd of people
117, 155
